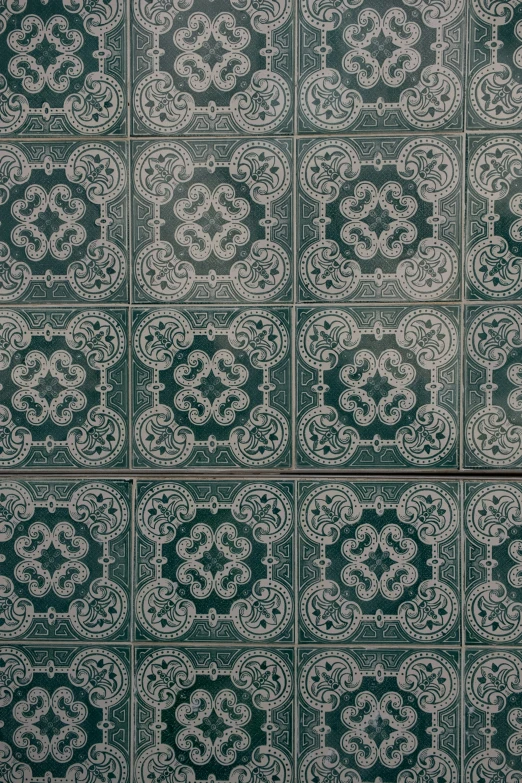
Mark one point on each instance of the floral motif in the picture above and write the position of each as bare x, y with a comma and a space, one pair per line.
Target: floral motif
65, 710
214, 563
214, 235
64, 215
362, 65
377, 714
362, 578
219, 400
378, 200
210, 705
50, 53
66, 372
54, 81
218, 74
50, 724
363, 376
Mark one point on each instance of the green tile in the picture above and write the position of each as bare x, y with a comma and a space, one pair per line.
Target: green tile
214, 561
494, 217
212, 387
65, 564
379, 714
493, 92
380, 66
63, 393
220, 67
204, 714
65, 713
212, 221
380, 218
493, 513
493, 725
64, 67
379, 561
377, 387
492, 386
63, 214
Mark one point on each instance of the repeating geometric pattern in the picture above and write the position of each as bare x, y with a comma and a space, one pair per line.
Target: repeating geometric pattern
213, 221
64, 400
380, 66
65, 714
63, 213
493, 386
493, 722
214, 561
212, 68
495, 64
64, 68
494, 217
377, 387
214, 715
493, 562
65, 570
379, 562
378, 714
379, 218
212, 388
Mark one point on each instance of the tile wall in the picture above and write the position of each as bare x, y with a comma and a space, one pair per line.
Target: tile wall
260, 391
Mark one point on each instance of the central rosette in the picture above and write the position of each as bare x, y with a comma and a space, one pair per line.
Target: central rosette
211, 387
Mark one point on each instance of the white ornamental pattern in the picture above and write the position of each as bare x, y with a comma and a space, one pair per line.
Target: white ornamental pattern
380, 217
225, 72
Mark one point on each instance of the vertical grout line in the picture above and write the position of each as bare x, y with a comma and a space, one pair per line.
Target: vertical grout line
462, 581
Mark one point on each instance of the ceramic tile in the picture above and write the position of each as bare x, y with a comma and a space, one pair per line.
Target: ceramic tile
494, 217
214, 561
493, 386
63, 388
220, 67
380, 66
383, 714
63, 214
212, 388
214, 715
212, 221
377, 387
493, 723
64, 67
65, 714
379, 561
380, 218
493, 562
494, 94
65, 564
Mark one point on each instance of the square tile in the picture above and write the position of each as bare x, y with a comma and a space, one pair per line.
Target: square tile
380, 218
63, 388
224, 67
214, 561
493, 386
379, 714
64, 68
65, 713
212, 221
494, 94
214, 715
380, 66
377, 387
63, 213
493, 722
493, 514
212, 388
494, 217
379, 562
65, 563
